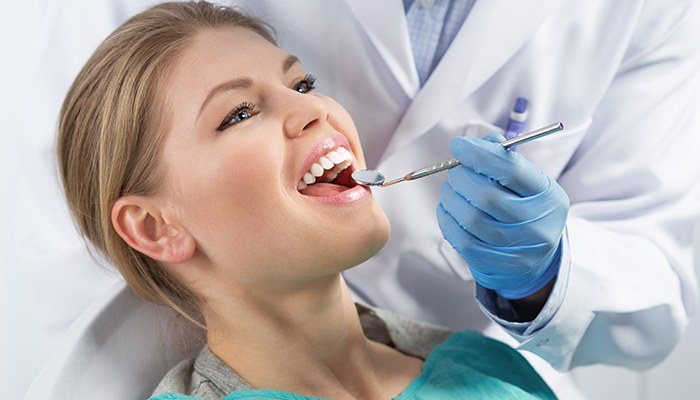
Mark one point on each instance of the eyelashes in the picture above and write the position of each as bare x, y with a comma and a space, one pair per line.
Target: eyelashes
247, 110
240, 113
308, 83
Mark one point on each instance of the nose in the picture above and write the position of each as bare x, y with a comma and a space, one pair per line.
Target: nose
304, 111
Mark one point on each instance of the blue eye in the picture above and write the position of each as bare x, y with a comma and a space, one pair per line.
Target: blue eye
241, 113
306, 84
241, 116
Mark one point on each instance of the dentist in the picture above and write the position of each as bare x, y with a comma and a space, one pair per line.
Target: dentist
580, 244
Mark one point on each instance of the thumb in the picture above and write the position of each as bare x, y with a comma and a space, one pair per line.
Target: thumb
511, 170
494, 137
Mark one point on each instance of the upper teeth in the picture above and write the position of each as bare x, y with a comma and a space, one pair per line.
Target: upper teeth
333, 162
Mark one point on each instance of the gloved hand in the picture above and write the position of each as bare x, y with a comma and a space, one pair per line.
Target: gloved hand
503, 215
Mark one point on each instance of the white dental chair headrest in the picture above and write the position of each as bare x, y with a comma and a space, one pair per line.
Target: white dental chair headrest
119, 348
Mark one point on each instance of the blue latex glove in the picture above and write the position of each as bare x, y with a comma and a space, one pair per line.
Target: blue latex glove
503, 215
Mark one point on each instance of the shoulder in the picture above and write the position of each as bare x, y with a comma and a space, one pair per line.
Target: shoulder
177, 379
184, 380
408, 335
421, 338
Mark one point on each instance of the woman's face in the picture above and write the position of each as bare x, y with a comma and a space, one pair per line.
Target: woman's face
245, 129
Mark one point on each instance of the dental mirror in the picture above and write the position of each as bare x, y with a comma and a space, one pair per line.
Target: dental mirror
370, 177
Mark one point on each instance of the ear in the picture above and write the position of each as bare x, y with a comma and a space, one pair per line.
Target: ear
140, 222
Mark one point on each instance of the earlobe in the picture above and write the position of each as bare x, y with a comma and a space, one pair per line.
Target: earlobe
139, 222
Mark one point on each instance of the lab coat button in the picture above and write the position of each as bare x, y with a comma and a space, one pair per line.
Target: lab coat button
542, 342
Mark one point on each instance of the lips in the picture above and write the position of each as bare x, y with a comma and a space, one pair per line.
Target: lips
344, 197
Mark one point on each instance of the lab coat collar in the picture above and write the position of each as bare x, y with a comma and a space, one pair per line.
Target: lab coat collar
492, 33
385, 24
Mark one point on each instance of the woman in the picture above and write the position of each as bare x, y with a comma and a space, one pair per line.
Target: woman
196, 155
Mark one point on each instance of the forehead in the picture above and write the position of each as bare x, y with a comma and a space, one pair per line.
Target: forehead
219, 54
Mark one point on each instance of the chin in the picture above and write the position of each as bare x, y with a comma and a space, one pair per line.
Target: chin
370, 237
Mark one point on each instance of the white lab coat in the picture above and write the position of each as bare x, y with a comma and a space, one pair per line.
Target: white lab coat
623, 78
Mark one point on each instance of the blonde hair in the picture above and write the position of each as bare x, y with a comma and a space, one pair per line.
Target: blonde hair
111, 125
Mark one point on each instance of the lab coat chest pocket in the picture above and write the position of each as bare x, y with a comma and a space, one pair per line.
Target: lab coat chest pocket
552, 153
479, 128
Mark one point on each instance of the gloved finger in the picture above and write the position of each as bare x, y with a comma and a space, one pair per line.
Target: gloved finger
494, 137
482, 225
470, 218
493, 267
485, 194
462, 241
508, 168
480, 255
489, 267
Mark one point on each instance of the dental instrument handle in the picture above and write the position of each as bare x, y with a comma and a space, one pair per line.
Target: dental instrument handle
432, 169
443, 165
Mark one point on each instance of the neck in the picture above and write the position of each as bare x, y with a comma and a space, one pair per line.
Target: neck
309, 341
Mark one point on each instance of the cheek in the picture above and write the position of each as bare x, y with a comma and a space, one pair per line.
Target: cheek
228, 194
341, 120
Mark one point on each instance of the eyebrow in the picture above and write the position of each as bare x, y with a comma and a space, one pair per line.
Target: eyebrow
291, 60
243, 83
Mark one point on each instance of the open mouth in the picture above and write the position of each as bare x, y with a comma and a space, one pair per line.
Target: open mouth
329, 175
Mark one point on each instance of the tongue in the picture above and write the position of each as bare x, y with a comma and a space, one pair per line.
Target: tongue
323, 189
